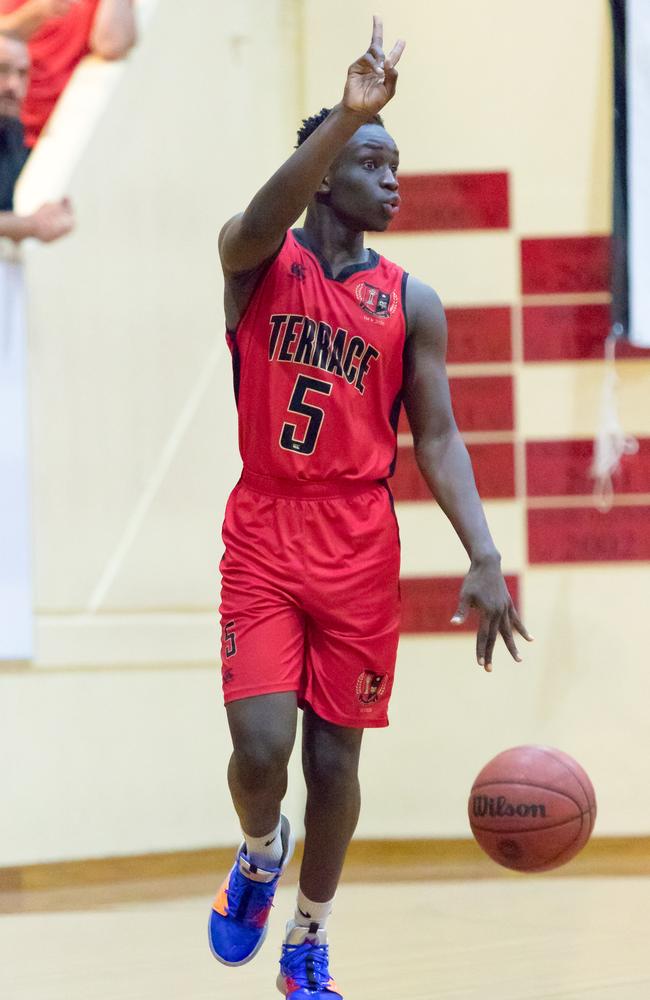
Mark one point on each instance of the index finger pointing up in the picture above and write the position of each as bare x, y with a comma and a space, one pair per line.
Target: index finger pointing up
377, 32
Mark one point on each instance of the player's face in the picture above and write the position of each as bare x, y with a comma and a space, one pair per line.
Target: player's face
14, 74
364, 190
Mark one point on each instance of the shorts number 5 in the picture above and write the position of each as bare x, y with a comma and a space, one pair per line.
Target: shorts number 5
229, 644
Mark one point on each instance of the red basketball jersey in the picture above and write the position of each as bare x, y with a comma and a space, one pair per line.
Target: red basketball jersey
317, 365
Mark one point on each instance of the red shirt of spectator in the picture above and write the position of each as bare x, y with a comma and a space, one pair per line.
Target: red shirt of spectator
55, 50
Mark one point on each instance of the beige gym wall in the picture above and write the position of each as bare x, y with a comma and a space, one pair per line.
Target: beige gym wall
116, 735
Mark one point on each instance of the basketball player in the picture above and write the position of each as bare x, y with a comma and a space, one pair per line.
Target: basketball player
327, 339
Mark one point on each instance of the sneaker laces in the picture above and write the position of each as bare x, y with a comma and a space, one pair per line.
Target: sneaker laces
248, 901
307, 964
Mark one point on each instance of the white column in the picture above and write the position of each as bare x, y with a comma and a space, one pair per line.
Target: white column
638, 131
16, 614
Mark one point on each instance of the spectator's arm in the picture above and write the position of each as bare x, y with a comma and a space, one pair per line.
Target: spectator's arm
48, 223
23, 22
113, 32
15, 227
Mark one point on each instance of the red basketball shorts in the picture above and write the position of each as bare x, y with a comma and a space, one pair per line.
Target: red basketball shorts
310, 596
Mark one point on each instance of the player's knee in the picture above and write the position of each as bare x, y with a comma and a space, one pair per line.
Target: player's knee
262, 762
332, 769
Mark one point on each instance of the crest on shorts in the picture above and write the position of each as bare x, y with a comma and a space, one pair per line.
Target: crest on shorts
375, 302
371, 686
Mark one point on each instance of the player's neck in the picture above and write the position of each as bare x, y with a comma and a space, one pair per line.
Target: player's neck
337, 243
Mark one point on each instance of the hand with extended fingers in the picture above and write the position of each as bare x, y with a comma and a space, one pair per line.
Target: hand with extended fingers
485, 589
372, 79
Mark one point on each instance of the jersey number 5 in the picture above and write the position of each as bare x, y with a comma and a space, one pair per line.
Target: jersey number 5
307, 444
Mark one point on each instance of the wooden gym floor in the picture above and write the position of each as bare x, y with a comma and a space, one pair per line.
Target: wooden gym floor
455, 928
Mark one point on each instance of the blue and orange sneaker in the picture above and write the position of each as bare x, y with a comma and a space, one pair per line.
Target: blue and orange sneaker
240, 913
304, 966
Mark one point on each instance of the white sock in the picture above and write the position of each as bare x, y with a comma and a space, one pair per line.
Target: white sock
308, 912
265, 852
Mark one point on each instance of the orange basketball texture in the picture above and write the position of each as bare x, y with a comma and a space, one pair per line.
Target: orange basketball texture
532, 808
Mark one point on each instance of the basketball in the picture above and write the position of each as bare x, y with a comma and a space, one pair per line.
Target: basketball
532, 808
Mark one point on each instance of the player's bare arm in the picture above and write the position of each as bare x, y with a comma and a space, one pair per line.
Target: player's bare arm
248, 240
444, 462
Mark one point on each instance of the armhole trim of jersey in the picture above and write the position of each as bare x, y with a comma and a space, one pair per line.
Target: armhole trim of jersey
263, 269
405, 278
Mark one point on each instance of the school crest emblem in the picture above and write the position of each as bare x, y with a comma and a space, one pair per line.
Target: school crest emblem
374, 301
371, 686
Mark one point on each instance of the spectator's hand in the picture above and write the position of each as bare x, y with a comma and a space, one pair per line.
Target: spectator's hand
53, 8
52, 221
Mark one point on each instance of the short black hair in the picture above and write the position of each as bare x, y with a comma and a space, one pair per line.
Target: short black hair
310, 125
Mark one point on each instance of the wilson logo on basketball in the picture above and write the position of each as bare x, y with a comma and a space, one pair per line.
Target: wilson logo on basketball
372, 300
484, 805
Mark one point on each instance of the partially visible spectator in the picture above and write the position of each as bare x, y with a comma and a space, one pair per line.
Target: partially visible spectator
14, 76
52, 220
60, 33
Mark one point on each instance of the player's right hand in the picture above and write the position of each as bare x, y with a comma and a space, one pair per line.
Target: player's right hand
372, 79
52, 221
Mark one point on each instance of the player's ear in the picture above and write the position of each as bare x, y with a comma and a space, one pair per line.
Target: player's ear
325, 186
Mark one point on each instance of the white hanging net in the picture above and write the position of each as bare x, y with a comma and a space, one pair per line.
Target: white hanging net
611, 443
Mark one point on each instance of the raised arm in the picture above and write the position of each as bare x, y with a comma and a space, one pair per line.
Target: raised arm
249, 239
27, 19
113, 33
444, 462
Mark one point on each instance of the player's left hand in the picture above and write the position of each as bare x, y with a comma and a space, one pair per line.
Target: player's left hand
485, 589
372, 79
